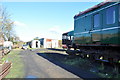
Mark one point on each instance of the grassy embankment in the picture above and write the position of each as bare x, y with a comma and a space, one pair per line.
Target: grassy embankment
17, 69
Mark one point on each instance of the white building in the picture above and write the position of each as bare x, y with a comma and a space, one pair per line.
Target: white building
8, 44
49, 43
35, 44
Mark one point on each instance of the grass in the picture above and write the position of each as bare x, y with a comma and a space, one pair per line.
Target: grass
17, 69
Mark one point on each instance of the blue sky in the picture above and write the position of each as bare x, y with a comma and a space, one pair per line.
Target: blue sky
44, 19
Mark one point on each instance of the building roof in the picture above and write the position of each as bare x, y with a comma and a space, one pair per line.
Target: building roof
70, 33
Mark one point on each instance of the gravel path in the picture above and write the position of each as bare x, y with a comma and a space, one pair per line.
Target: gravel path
39, 67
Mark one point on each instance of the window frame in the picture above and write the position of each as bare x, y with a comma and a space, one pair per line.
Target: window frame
107, 15
119, 11
94, 20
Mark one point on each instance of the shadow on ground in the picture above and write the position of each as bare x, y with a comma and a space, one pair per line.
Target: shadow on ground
61, 60
56, 49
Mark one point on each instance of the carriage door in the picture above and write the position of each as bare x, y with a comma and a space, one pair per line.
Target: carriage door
96, 29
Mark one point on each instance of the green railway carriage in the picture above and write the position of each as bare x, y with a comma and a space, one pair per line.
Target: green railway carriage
67, 39
99, 25
96, 33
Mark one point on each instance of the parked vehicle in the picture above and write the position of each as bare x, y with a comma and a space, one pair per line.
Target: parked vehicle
25, 47
67, 39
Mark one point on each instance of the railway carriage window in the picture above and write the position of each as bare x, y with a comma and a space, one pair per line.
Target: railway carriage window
67, 37
71, 37
64, 37
110, 15
119, 12
97, 20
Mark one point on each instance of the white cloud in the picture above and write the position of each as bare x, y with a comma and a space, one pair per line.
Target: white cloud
56, 29
52, 33
56, 32
20, 24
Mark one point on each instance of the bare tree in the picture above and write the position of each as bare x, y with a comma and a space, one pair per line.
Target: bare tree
6, 24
